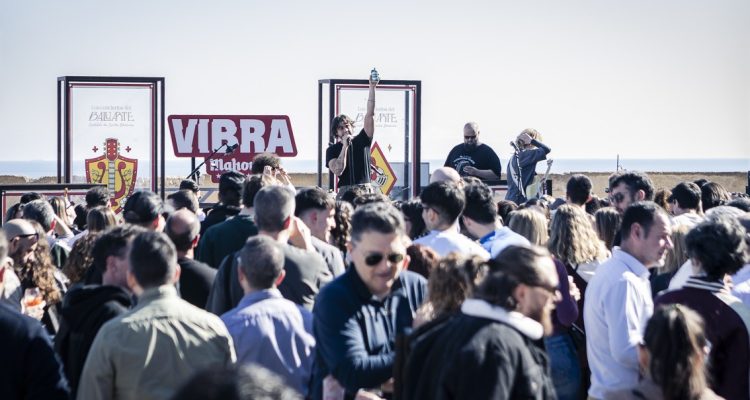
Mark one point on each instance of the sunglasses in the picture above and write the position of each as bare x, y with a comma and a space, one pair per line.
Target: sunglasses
617, 197
470, 137
548, 288
33, 236
374, 259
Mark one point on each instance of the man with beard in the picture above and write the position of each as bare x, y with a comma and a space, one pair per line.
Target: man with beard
472, 158
618, 299
348, 156
492, 348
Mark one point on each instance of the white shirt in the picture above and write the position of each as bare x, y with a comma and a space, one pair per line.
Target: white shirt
449, 241
741, 281
618, 305
497, 240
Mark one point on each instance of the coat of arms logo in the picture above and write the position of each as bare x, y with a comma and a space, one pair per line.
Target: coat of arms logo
116, 171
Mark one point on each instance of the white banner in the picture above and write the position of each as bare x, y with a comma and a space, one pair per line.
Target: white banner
101, 111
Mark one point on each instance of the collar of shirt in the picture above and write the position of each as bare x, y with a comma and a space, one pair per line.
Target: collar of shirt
631, 262
151, 294
482, 309
704, 283
258, 296
364, 293
494, 234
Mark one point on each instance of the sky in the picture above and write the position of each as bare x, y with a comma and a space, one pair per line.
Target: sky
638, 78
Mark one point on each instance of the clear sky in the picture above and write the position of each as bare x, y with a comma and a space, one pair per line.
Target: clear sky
642, 78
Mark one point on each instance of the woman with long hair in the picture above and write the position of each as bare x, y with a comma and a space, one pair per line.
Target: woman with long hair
80, 259
672, 358
574, 243
340, 233
607, 225
38, 271
100, 218
531, 224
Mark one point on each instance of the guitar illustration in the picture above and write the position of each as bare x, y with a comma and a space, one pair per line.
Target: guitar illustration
116, 171
538, 188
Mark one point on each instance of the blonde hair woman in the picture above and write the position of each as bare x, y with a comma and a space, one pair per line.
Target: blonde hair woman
575, 242
531, 224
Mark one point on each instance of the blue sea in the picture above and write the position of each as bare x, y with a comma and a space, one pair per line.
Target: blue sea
40, 168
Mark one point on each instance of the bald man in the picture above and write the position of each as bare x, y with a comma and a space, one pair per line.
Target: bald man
473, 158
196, 279
444, 174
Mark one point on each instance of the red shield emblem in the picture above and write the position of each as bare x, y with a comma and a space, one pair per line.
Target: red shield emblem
117, 172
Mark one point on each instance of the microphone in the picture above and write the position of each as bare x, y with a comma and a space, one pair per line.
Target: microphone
230, 149
512, 143
348, 140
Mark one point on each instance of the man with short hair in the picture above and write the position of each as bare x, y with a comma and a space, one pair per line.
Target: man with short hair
229, 236
196, 278
184, 199
306, 272
144, 208
481, 221
231, 184
316, 209
149, 351
446, 174
685, 204
10, 285
578, 190
268, 329
629, 187
442, 204
493, 349
359, 315
618, 298
473, 158
86, 308
97, 196
22, 240
42, 212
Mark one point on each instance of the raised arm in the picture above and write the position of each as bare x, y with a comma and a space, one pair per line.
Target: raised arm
370, 115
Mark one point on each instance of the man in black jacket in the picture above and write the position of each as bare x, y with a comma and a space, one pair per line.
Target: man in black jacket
196, 278
86, 308
492, 349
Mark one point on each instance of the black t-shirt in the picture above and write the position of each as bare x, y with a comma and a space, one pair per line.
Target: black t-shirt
480, 157
357, 160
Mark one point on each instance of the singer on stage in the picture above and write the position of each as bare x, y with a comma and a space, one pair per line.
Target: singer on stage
529, 151
472, 158
349, 157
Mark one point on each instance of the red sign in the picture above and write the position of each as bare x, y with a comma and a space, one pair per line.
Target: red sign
200, 135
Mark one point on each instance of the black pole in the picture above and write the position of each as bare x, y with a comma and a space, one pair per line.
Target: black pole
195, 170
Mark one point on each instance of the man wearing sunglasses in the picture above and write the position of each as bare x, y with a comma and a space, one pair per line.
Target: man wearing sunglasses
628, 188
473, 158
358, 316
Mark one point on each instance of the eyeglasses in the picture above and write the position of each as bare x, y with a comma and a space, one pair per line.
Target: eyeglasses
470, 137
549, 288
33, 236
617, 197
374, 259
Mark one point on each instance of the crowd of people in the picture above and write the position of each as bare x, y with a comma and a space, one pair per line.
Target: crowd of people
279, 292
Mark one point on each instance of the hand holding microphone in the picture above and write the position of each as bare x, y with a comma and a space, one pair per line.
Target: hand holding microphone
347, 140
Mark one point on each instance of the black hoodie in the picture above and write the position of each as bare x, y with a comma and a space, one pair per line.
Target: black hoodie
84, 310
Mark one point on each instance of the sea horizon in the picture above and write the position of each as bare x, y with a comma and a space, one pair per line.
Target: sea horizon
173, 168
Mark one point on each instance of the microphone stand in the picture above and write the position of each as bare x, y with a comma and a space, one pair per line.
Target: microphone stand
519, 177
196, 171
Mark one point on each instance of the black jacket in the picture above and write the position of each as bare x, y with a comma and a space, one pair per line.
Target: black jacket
84, 310
479, 358
29, 368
